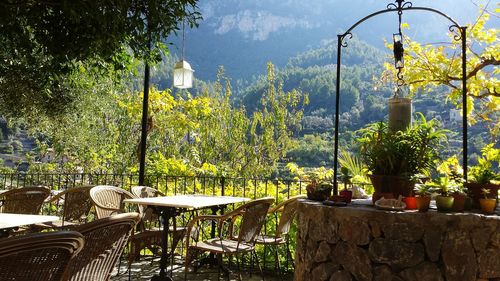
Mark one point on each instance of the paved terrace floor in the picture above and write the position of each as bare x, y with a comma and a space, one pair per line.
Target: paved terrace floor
145, 269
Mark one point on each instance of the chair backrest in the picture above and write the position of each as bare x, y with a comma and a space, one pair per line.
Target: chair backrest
145, 191
39, 256
148, 215
253, 217
25, 200
108, 200
288, 209
77, 202
105, 240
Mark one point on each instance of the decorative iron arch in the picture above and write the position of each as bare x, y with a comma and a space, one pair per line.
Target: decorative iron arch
400, 7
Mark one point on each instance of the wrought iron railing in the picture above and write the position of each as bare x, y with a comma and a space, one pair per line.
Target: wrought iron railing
280, 189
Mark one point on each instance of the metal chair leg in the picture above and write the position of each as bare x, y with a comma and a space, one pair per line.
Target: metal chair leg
239, 267
258, 264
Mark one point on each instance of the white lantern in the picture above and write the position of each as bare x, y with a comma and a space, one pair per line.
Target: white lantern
183, 75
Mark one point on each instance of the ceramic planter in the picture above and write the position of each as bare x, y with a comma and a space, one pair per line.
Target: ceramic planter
411, 202
488, 205
444, 203
423, 203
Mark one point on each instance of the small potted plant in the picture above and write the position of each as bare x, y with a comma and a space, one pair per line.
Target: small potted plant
423, 197
483, 176
488, 203
444, 201
319, 191
346, 178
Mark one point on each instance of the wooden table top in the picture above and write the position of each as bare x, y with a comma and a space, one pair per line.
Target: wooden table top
187, 201
14, 220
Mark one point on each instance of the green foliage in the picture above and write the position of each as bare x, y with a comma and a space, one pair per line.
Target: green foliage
486, 171
401, 153
187, 135
352, 165
45, 42
311, 151
442, 184
430, 67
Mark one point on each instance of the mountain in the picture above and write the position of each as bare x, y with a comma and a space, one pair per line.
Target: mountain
244, 35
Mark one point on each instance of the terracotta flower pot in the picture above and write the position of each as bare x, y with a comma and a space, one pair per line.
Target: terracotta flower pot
394, 185
488, 205
444, 203
411, 202
423, 203
347, 195
458, 202
475, 191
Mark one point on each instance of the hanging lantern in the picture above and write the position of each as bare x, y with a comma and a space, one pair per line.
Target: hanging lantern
400, 112
183, 75
398, 50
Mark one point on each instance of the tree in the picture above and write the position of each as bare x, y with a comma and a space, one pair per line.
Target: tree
428, 67
43, 42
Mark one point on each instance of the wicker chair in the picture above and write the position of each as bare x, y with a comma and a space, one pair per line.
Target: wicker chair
105, 240
253, 216
108, 200
26, 200
150, 237
38, 256
288, 210
76, 205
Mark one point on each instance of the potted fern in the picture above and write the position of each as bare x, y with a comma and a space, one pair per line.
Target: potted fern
394, 158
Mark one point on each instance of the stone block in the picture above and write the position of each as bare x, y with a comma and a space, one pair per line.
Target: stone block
341, 275
433, 239
459, 257
354, 230
425, 271
323, 252
323, 271
489, 263
355, 260
382, 273
403, 231
375, 229
480, 238
395, 253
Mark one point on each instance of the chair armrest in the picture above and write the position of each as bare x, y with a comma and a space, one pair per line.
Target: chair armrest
196, 220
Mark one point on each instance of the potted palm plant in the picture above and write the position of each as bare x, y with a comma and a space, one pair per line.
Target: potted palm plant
393, 158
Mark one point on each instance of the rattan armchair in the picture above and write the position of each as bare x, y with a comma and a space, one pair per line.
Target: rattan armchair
26, 200
76, 205
108, 200
105, 240
253, 216
38, 256
288, 210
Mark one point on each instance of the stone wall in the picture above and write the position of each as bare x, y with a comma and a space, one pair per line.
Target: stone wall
362, 243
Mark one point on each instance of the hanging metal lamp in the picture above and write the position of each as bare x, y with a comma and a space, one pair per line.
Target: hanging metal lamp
183, 73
